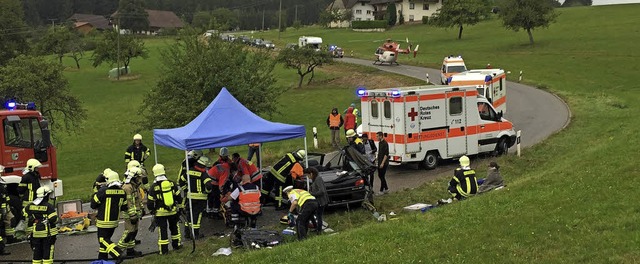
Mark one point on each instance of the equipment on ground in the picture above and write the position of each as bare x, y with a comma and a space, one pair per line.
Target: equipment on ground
388, 52
490, 83
426, 123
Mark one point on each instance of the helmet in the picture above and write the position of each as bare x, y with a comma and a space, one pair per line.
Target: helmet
137, 137
158, 170
32, 164
195, 154
106, 171
133, 164
112, 176
43, 191
224, 152
464, 161
351, 133
353, 104
134, 171
301, 153
287, 189
204, 161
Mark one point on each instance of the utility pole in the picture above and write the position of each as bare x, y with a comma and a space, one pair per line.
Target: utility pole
263, 19
280, 20
118, 51
53, 23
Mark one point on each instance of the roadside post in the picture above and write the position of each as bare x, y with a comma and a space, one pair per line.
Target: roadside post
428, 78
315, 137
518, 142
520, 77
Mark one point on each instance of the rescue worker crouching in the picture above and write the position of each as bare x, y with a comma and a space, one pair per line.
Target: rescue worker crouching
278, 178
163, 201
464, 183
133, 214
195, 197
306, 205
245, 203
110, 200
41, 219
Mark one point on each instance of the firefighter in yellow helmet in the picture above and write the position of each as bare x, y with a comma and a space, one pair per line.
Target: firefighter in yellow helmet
101, 180
133, 213
41, 219
110, 200
464, 183
196, 197
137, 150
279, 175
30, 181
164, 200
355, 141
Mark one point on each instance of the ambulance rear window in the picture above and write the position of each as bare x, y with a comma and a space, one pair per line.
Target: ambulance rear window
456, 68
374, 109
387, 109
455, 105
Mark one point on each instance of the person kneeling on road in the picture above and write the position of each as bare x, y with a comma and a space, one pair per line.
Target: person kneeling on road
464, 183
306, 205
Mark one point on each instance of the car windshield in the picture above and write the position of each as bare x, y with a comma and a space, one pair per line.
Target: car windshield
456, 68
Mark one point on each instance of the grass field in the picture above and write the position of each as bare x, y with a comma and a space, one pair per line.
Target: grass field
112, 108
569, 199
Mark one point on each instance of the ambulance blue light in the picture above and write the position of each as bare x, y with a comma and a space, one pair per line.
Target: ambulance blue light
488, 78
10, 105
395, 93
361, 91
31, 106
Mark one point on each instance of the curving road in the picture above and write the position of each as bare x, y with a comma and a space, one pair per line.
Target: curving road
537, 113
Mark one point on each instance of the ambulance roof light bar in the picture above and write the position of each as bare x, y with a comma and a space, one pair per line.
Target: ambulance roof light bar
361, 91
11, 104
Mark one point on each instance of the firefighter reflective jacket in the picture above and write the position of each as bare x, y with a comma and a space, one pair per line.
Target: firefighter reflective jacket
99, 182
183, 167
134, 201
28, 186
41, 219
301, 196
249, 168
136, 153
465, 182
163, 198
109, 201
200, 183
283, 167
249, 198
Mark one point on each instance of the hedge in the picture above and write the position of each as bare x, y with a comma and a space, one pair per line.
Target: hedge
369, 24
425, 20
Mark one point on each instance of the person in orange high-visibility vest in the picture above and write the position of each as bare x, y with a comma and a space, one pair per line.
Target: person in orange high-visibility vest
334, 122
246, 167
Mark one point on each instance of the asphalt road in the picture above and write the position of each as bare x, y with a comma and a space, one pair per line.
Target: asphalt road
537, 113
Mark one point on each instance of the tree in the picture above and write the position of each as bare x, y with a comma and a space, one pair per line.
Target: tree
457, 13
107, 49
42, 81
527, 15
570, 3
392, 13
225, 18
201, 20
13, 30
194, 71
326, 18
297, 24
132, 16
304, 60
400, 18
58, 41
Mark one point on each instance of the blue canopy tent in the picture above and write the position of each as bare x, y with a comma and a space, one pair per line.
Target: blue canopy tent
225, 122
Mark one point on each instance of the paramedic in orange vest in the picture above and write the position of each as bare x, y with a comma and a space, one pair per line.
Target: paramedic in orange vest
246, 167
245, 202
296, 174
334, 122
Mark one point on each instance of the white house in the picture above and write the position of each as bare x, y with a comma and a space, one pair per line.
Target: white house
362, 10
412, 10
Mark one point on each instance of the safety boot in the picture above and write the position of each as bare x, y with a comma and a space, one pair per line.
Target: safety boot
2, 252
133, 253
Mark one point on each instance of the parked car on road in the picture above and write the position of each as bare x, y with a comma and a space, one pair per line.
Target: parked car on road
257, 43
269, 44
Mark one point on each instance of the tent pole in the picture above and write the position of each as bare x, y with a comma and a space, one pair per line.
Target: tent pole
260, 163
186, 195
306, 161
155, 152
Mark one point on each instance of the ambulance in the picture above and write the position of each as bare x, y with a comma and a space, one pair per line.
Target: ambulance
451, 65
426, 124
490, 83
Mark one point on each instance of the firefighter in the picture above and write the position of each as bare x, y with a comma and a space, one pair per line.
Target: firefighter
245, 203
192, 158
30, 181
464, 183
5, 223
163, 200
278, 175
137, 150
196, 196
355, 141
133, 214
110, 200
41, 222
306, 205
246, 167
101, 180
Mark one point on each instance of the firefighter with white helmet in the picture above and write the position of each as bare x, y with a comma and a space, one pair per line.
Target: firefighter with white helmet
30, 181
137, 150
279, 175
196, 197
192, 158
306, 204
101, 180
164, 201
41, 219
133, 214
110, 200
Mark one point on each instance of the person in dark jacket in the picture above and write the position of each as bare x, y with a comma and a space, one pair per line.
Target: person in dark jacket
464, 183
349, 120
370, 150
30, 181
493, 180
383, 162
319, 191
334, 122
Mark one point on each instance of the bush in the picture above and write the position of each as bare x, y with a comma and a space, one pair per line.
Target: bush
369, 24
425, 20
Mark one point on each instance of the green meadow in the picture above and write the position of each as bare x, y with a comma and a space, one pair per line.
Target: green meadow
568, 199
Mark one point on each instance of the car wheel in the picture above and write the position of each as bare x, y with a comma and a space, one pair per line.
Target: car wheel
430, 161
503, 147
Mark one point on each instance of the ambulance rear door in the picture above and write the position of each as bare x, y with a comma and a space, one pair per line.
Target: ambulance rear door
412, 124
456, 115
387, 122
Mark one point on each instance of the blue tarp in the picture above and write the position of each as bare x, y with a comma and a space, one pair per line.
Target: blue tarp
225, 122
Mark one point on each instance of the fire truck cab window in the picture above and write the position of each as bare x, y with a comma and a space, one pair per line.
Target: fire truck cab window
486, 112
18, 134
387, 109
374, 109
455, 106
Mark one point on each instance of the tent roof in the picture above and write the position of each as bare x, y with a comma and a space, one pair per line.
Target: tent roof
225, 122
